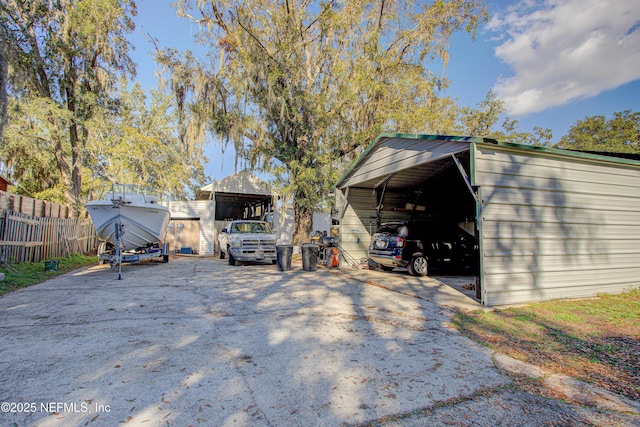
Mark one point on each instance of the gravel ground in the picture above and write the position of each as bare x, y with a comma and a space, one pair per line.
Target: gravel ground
508, 407
199, 342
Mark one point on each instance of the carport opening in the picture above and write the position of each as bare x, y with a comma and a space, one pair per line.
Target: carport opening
445, 198
234, 206
438, 197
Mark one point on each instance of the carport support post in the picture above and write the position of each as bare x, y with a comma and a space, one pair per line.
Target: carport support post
475, 192
464, 176
479, 226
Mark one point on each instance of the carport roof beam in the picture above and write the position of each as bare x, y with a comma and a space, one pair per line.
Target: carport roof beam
384, 181
465, 176
390, 153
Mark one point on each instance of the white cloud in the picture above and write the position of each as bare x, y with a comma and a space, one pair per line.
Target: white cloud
564, 50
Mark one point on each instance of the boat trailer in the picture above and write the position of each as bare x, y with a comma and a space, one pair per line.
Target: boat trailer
116, 257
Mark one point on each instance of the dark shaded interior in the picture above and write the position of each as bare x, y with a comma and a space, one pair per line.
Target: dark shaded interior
232, 206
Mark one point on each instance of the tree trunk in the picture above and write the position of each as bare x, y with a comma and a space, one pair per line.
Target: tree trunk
3, 91
75, 179
303, 224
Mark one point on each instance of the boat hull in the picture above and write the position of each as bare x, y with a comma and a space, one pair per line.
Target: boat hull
143, 224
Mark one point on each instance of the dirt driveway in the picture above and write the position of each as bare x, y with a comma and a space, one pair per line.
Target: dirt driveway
198, 342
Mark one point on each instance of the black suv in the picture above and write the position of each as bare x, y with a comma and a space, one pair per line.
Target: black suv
420, 246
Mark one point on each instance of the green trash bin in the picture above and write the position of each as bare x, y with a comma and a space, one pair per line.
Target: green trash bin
51, 265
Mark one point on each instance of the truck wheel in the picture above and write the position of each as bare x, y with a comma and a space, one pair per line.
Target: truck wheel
232, 260
418, 266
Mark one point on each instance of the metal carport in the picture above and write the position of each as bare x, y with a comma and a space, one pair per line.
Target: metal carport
550, 223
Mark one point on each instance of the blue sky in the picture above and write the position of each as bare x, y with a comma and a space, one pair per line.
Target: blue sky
553, 62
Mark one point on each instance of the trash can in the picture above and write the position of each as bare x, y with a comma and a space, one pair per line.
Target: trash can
283, 257
310, 257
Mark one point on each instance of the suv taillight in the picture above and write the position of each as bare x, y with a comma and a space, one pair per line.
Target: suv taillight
399, 242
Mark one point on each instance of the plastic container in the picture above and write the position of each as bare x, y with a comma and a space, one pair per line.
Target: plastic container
283, 257
310, 257
51, 265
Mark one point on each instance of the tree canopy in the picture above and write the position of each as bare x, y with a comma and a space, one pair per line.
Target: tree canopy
72, 117
63, 57
137, 142
619, 134
300, 87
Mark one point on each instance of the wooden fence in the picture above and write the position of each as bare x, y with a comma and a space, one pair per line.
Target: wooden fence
26, 238
33, 207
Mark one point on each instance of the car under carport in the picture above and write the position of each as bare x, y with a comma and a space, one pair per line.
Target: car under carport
550, 223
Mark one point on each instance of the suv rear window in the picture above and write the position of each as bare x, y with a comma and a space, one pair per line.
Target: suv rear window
393, 228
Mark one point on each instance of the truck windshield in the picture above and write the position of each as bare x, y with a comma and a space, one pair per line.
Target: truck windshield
250, 227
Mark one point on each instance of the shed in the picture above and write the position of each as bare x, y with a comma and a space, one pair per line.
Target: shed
195, 224
4, 183
192, 226
550, 223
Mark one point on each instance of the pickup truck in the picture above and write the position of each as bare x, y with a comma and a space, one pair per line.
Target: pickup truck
247, 240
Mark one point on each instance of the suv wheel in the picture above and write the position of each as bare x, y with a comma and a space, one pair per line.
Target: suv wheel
418, 266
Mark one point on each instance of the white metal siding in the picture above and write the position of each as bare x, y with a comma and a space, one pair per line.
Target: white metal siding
322, 222
359, 217
556, 226
203, 209
283, 226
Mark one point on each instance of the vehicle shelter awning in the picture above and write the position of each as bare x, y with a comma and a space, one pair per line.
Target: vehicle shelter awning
392, 159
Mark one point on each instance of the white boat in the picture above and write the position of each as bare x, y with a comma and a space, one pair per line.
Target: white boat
137, 209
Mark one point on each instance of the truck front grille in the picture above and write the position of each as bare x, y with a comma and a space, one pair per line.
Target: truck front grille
257, 244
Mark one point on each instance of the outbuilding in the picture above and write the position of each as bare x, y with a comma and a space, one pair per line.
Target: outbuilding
550, 223
196, 224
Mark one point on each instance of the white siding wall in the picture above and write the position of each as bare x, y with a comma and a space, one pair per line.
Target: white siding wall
203, 209
283, 226
359, 217
322, 222
556, 227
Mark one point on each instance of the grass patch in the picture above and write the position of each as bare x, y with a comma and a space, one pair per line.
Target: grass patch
596, 340
25, 274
